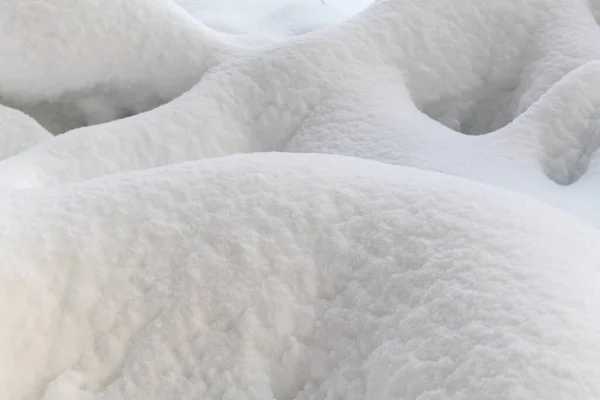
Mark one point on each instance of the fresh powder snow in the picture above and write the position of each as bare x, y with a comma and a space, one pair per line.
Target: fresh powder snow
299, 199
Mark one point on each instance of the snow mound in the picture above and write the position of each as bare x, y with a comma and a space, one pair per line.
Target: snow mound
295, 276
443, 245
386, 84
18, 132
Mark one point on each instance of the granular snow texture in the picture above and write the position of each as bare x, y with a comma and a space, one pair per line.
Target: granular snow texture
164, 235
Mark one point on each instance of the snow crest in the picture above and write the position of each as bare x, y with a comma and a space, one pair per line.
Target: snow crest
162, 237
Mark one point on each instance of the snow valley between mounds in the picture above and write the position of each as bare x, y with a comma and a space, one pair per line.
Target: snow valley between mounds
171, 238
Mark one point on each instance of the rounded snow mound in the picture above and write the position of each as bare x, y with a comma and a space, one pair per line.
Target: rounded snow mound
18, 132
513, 107
272, 276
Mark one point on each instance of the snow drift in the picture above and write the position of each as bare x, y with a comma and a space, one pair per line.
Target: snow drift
295, 276
143, 257
531, 84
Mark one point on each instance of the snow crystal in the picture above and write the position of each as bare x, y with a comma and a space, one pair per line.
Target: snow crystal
442, 242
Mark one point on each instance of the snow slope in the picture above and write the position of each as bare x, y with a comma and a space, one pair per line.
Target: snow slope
290, 94
145, 258
295, 276
18, 131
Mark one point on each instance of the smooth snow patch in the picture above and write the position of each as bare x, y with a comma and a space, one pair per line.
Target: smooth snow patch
18, 132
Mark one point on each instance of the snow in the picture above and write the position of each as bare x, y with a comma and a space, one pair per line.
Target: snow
162, 236
18, 131
296, 276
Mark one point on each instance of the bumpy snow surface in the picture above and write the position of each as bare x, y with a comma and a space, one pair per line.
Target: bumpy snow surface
162, 236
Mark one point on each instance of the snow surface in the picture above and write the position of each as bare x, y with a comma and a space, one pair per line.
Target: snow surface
442, 245
18, 131
295, 276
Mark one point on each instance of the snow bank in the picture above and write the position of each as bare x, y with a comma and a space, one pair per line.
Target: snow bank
110, 59
295, 276
532, 86
71, 63
145, 258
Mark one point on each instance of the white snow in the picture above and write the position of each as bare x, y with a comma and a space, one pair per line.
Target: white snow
171, 242
295, 276
18, 132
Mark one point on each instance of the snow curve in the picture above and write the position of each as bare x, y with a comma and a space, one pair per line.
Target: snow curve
295, 276
71, 63
261, 99
18, 132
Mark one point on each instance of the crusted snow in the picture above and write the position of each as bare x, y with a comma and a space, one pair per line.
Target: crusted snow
169, 241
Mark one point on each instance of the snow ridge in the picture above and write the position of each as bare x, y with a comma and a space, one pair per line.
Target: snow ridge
260, 99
